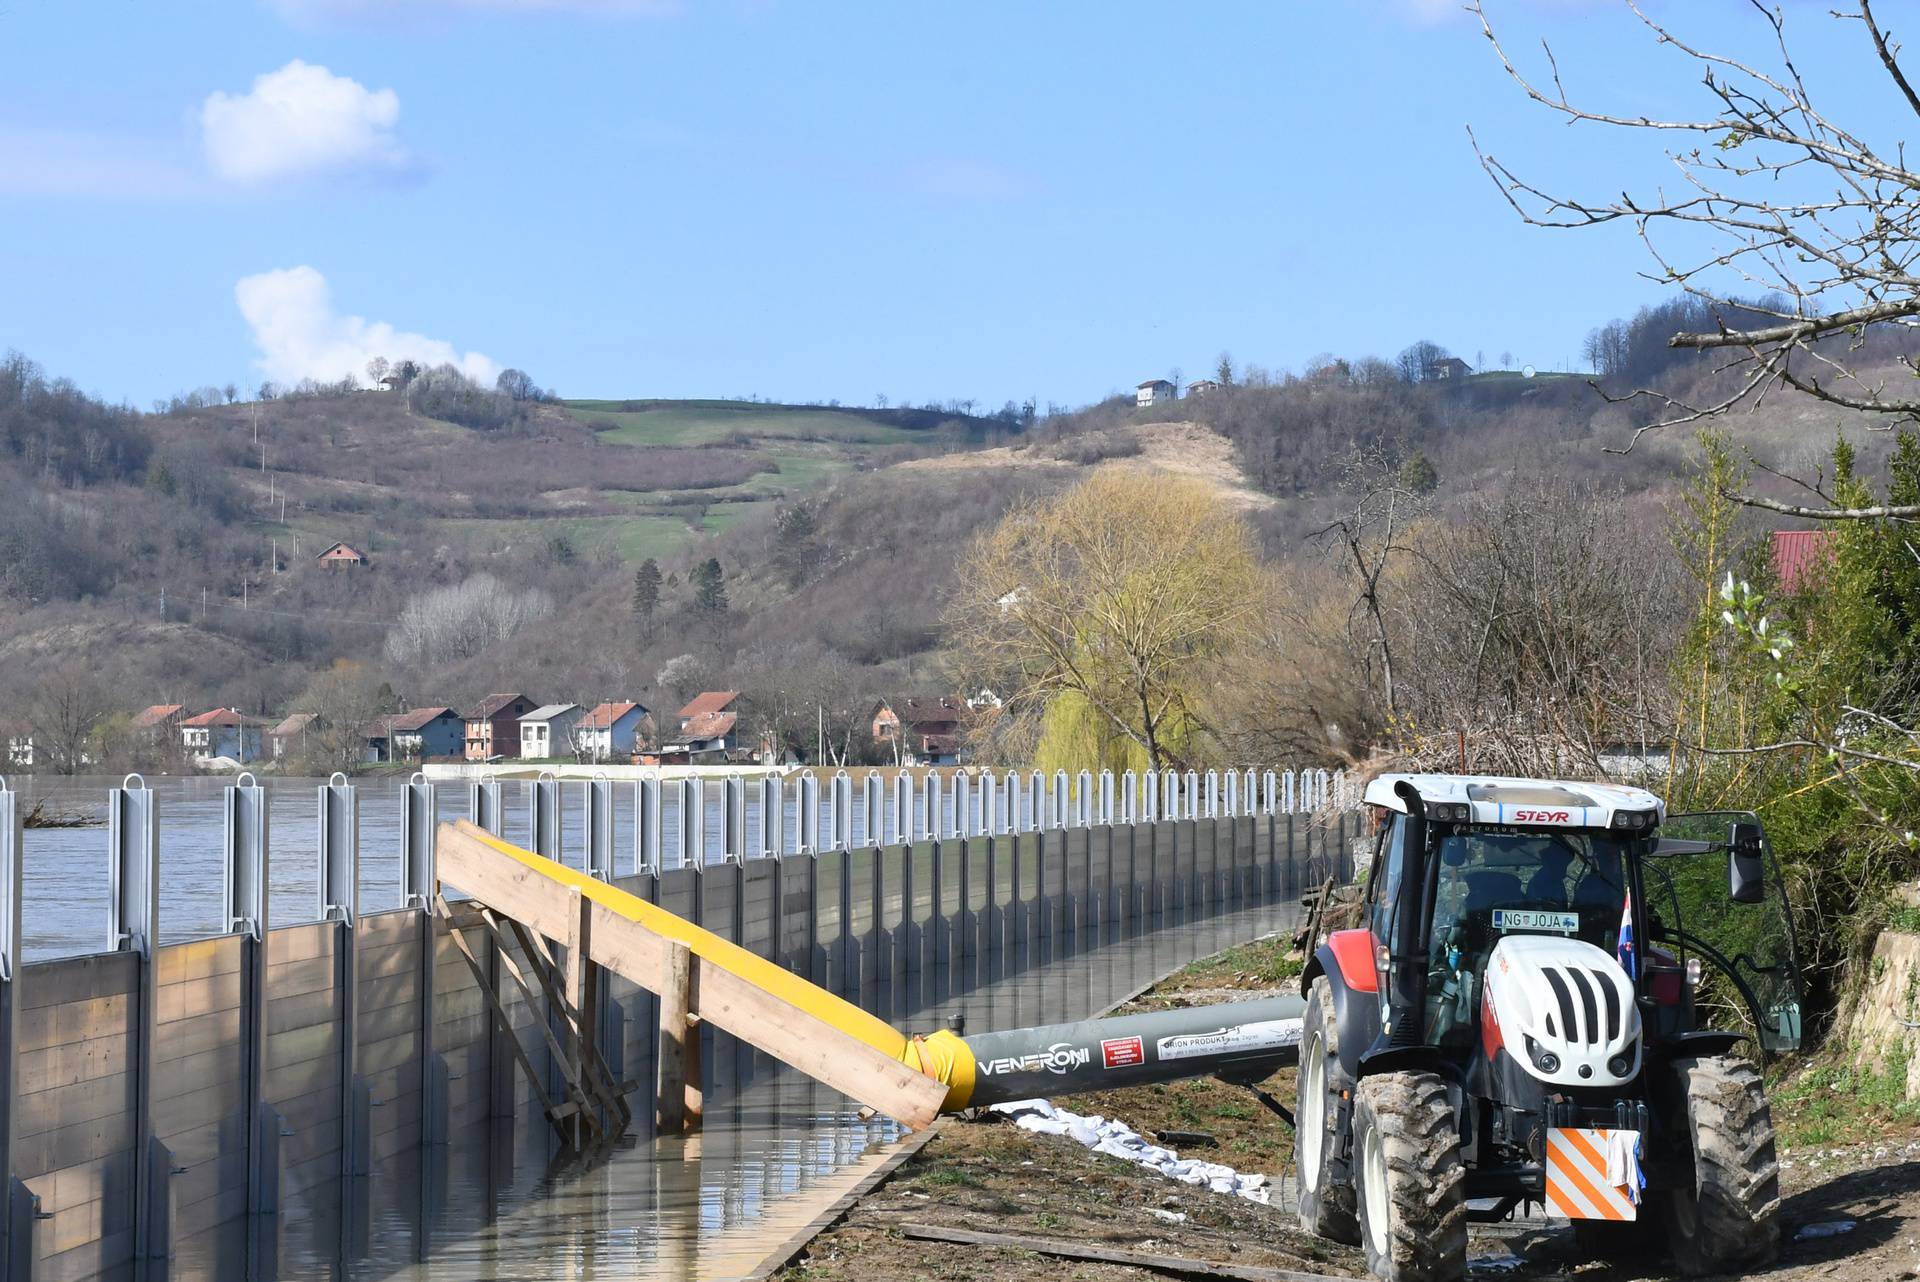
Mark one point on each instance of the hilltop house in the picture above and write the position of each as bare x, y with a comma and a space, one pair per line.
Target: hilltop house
548, 731
415, 735
610, 731
290, 734
342, 554
493, 728
1450, 368
923, 730
1155, 391
223, 732
1201, 387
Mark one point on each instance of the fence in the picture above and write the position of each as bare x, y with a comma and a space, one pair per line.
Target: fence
150, 1093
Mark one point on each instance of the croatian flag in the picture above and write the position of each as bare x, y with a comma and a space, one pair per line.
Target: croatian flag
1625, 951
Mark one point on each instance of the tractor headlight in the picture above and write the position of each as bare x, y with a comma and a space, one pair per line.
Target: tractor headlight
1635, 820
1544, 1060
1620, 1065
1449, 812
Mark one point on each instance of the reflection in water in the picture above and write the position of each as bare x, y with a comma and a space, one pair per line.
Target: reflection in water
493, 1203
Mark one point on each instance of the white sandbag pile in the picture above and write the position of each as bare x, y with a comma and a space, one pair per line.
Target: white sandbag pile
1117, 1139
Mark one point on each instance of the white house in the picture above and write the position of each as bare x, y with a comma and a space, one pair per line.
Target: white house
223, 732
547, 731
610, 732
1155, 391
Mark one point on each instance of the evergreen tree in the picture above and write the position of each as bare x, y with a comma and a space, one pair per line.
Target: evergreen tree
796, 545
709, 589
646, 594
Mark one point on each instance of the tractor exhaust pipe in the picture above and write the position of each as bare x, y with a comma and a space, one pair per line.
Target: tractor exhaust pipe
1243, 1042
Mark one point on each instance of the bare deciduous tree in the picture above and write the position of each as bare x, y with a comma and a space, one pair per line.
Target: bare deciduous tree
1775, 198
453, 623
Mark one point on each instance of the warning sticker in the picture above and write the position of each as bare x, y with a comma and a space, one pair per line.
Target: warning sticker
1266, 1034
1536, 919
1122, 1052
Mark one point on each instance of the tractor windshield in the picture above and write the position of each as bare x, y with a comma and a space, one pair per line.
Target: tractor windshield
1493, 882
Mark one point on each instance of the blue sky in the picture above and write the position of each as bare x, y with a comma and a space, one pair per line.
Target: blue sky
808, 200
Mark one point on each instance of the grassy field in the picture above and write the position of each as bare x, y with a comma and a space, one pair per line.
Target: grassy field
693, 423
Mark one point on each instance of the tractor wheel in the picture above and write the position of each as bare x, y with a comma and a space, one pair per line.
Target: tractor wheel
1729, 1217
1412, 1181
1324, 1177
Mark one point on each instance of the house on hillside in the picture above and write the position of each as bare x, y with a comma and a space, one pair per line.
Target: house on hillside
1155, 391
19, 737
159, 721
342, 555
419, 734
223, 732
1448, 368
1801, 558
922, 730
493, 728
610, 732
1201, 387
291, 734
547, 731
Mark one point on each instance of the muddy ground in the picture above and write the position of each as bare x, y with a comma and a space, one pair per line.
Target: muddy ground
989, 1176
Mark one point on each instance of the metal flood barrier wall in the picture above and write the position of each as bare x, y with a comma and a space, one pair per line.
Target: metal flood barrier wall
150, 1093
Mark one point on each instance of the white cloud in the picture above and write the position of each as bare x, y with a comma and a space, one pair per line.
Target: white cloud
387, 11
290, 311
303, 120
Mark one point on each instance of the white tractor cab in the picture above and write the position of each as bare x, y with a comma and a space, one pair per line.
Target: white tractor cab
1513, 1027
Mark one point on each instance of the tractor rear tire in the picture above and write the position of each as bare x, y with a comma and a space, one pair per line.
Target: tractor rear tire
1323, 1175
1412, 1179
1729, 1218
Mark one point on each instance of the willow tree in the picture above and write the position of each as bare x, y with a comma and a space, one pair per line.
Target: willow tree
1106, 612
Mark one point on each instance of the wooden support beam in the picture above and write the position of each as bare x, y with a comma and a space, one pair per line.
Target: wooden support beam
500, 1015
540, 896
676, 1003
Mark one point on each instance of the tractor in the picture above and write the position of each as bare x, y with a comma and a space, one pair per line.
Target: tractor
1515, 1027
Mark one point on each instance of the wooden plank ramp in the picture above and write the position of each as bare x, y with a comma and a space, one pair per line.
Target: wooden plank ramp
738, 992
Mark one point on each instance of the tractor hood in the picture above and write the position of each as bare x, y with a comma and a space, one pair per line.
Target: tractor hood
1563, 1009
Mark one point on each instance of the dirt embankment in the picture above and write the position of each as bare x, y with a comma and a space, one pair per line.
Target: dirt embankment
987, 1176
1179, 449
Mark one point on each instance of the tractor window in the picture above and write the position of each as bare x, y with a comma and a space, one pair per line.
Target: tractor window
1384, 886
1496, 882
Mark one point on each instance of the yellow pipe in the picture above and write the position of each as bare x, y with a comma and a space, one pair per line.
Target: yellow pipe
942, 1056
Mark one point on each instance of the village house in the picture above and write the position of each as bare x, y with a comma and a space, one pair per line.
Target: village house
1155, 391
1801, 558
1448, 368
922, 730
493, 728
342, 555
547, 731
159, 721
19, 744
223, 732
611, 731
708, 729
1201, 387
419, 734
291, 734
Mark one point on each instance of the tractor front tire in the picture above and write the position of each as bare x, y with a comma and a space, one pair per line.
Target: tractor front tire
1729, 1218
1412, 1180
1324, 1176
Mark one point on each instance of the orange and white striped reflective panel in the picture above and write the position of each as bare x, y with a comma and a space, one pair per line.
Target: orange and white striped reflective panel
1577, 1185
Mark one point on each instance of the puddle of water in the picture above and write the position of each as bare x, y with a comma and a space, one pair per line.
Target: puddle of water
776, 1147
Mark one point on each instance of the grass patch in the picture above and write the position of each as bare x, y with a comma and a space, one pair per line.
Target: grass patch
713, 422
1835, 1101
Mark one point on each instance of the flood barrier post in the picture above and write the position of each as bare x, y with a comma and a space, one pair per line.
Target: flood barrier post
902, 825
677, 1081
419, 883
597, 828
20, 1212
646, 825
847, 974
693, 822
544, 820
244, 901
339, 811
133, 835
904, 953
484, 805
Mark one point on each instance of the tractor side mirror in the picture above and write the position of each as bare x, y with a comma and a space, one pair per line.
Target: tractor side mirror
1745, 865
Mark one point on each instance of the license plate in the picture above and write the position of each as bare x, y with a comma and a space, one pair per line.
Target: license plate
1536, 919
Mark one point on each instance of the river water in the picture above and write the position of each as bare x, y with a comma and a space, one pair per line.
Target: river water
67, 870
492, 1204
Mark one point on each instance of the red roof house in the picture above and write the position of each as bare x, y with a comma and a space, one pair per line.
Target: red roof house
1801, 558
